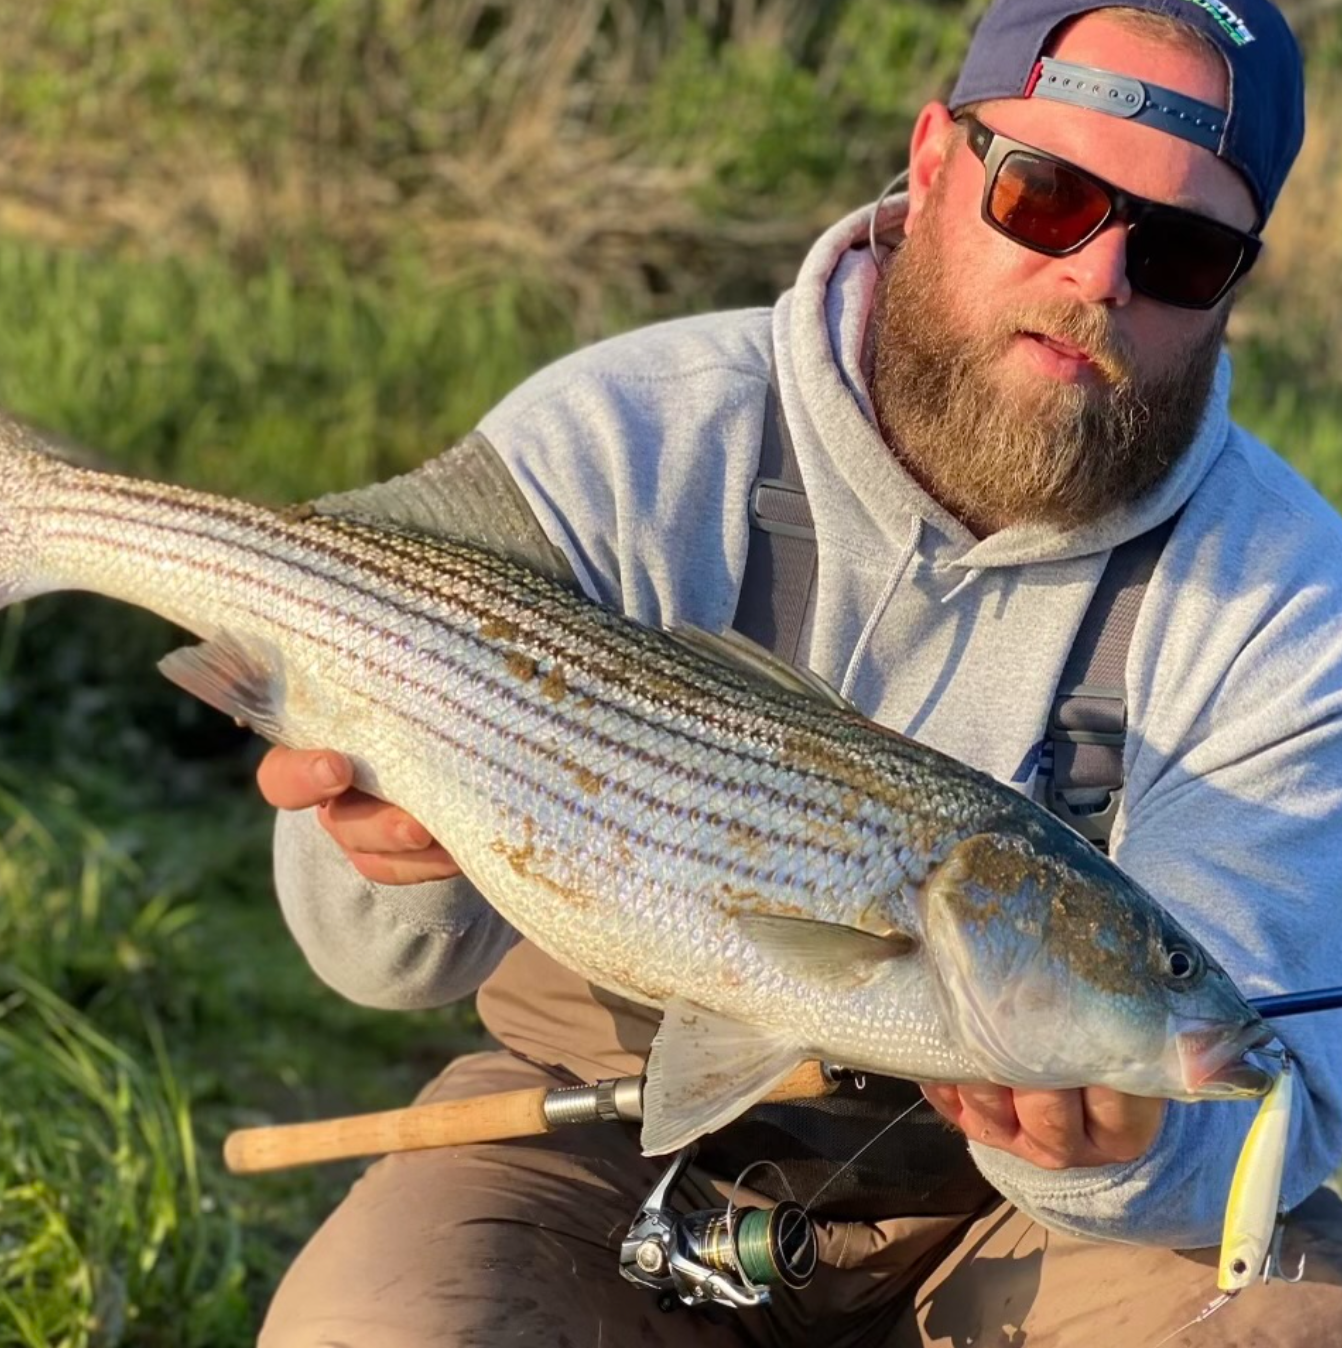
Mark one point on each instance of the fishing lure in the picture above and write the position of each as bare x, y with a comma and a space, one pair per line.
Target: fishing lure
1254, 1221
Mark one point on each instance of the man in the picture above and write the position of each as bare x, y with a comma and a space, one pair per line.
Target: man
1014, 368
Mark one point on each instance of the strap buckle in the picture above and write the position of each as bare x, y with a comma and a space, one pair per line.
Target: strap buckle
1093, 822
1088, 714
780, 507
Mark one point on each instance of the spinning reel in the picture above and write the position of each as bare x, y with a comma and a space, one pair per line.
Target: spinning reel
728, 1256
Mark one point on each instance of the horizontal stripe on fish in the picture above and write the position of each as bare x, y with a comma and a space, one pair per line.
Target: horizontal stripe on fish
850, 838
601, 687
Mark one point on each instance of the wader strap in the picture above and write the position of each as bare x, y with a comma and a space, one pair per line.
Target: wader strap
1083, 746
779, 582
1088, 724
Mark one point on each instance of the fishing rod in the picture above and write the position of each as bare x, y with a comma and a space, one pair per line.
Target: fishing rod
1297, 1003
486, 1118
694, 1259
531, 1112
730, 1256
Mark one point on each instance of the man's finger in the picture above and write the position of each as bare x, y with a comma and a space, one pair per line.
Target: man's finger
1054, 1122
362, 823
412, 868
989, 1113
296, 779
945, 1099
1123, 1127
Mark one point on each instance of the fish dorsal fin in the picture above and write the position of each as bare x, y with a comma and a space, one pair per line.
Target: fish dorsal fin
738, 652
825, 952
466, 494
704, 1070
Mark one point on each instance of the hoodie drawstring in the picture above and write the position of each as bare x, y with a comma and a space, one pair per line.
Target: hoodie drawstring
896, 575
968, 578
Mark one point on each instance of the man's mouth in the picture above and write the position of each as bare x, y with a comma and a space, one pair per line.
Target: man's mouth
1060, 347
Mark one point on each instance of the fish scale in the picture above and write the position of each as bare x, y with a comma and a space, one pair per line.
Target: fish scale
668, 815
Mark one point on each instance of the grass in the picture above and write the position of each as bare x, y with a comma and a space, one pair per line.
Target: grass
108, 1233
104, 1221
148, 1005
257, 383
1289, 350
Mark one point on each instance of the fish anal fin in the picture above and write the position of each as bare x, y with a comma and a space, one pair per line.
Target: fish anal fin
704, 1070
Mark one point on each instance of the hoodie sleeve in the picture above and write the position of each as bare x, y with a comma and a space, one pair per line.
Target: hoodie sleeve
1233, 819
393, 947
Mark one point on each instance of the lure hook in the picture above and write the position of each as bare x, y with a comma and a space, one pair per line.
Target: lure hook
1272, 1265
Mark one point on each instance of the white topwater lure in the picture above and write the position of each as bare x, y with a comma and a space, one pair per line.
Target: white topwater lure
1254, 1221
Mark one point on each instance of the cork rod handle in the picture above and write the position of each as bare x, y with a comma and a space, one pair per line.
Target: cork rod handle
451, 1123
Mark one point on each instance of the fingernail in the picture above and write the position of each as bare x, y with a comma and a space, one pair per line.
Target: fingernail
324, 770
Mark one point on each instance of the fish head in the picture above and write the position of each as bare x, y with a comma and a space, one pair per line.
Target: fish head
1058, 971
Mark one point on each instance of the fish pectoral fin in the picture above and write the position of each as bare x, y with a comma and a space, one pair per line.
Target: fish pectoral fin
704, 1070
243, 679
825, 952
738, 652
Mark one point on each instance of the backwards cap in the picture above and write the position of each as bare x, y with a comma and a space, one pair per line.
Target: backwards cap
1259, 135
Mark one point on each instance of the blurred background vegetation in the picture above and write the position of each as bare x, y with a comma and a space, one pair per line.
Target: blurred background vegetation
279, 247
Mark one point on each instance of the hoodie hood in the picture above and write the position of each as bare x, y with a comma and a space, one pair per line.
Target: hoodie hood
821, 334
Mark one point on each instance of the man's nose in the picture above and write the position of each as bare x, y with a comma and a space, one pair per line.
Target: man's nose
1099, 271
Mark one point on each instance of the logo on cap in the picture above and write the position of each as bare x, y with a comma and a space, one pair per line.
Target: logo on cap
1227, 20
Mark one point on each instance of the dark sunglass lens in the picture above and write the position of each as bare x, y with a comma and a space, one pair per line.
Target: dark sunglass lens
1045, 205
1182, 260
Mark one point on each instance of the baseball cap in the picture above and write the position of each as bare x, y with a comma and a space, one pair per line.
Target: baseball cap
1259, 135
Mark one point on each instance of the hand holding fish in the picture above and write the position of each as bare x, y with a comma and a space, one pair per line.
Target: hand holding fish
383, 843
1090, 1126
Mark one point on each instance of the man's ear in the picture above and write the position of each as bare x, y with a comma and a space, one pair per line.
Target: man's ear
927, 154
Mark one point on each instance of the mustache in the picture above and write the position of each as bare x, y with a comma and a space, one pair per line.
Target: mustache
1088, 327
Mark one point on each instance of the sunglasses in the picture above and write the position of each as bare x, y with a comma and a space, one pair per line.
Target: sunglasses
1046, 204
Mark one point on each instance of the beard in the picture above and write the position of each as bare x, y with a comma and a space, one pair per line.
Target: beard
997, 453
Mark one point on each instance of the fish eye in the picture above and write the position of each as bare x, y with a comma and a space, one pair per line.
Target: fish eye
1182, 964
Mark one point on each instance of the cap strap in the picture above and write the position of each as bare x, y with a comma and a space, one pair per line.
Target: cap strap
1123, 96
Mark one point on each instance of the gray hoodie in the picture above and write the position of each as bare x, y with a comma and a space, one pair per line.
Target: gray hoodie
637, 455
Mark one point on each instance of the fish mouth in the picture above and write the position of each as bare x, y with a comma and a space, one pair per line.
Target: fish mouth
1214, 1064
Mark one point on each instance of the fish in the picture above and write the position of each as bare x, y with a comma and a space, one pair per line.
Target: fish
676, 815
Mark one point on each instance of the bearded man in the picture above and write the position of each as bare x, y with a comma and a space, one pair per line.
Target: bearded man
989, 383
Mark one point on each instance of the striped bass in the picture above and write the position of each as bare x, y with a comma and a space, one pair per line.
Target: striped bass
677, 817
